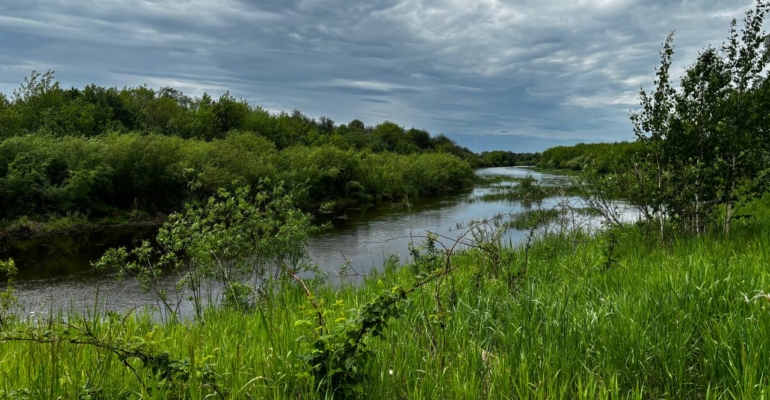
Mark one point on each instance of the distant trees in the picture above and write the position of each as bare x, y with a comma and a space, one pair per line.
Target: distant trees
502, 158
601, 157
98, 151
41, 106
419, 138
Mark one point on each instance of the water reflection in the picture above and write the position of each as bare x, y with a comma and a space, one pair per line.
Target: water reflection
53, 256
55, 270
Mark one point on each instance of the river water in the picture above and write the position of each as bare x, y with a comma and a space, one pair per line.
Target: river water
55, 272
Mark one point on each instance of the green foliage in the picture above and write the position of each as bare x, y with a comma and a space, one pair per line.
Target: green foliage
686, 320
533, 218
98, 177
42, 106
338, 359
8, 299
501, 158
98, 152
603, 157
525, 190
152, 367
705, 148
237, 239
239, 296
702, 150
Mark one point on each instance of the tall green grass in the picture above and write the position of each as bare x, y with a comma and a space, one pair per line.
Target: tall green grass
688, 318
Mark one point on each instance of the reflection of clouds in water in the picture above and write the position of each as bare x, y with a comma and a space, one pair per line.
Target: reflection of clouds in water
53, 256
366, 244
369, 243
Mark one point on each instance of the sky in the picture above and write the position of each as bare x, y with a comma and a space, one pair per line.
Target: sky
518, 75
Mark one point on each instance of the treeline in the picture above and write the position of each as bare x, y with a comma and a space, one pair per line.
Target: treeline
97, 151
501, 158
41, 106
603, 157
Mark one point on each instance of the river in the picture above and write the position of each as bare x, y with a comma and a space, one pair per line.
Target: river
55, 272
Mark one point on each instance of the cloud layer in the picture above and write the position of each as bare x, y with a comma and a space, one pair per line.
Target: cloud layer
548, 70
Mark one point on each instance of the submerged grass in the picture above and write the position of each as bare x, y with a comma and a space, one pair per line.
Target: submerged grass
525, 189
686, 319
531, 195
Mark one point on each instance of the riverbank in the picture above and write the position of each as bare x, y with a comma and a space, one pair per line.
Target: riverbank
26, 227
62, 225
684, 319
65, 225
56, 224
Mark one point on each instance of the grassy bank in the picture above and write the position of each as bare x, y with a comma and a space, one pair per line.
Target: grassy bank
686, 319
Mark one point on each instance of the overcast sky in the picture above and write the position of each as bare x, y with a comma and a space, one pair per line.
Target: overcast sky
514, 74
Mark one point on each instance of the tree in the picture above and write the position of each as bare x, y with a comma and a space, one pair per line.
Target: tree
419, 138
743, 144
706, 144
651, 127
391, 137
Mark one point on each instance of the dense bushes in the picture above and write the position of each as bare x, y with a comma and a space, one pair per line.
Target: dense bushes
43, 174
99, 151
603, 157
501, 158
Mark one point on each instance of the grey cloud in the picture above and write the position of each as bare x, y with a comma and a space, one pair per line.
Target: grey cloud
374, 100
560, 71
